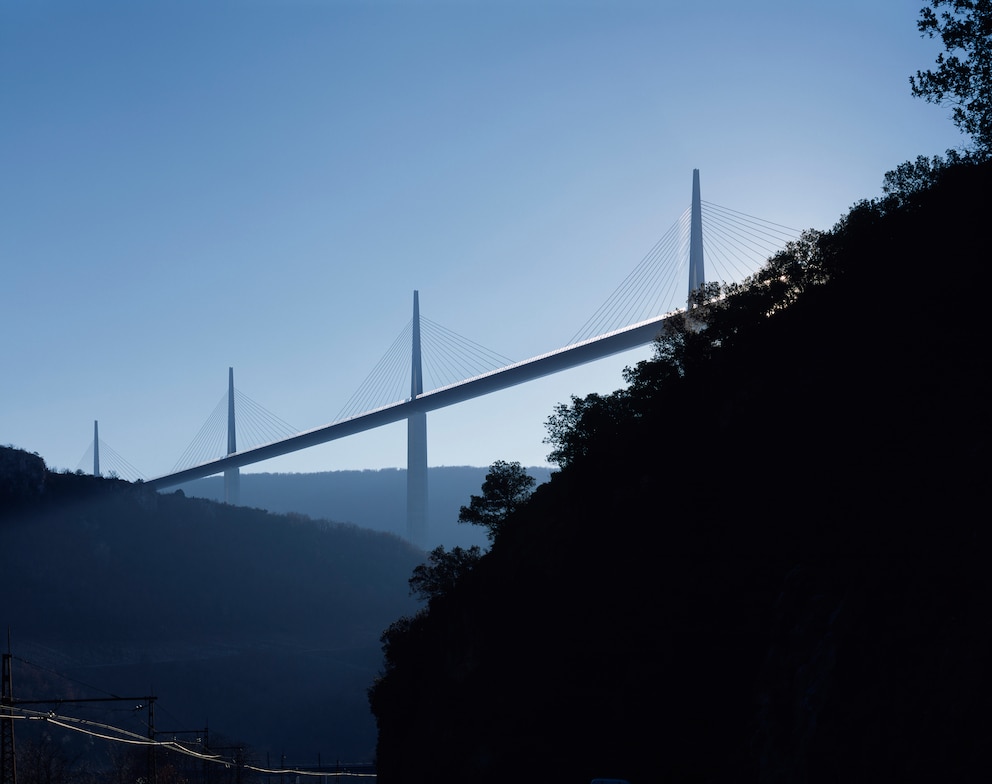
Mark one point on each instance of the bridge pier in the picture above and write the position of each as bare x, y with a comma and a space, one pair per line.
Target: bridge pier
416, 445
96, 448
697, 276
232, 476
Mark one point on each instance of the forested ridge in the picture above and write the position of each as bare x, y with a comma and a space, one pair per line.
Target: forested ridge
266, 626
373, 499
764, 559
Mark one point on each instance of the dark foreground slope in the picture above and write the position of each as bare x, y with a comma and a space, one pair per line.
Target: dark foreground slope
792, 586
264, 626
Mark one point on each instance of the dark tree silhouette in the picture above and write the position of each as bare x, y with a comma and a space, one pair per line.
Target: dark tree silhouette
778, 511
442, 571
963, 77
576, 427
506, 487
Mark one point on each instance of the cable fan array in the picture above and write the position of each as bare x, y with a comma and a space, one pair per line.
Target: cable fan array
256, 425
735, 245
447, 358
112, 463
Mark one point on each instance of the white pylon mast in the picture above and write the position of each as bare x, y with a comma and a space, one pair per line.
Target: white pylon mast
416, 445
232, 476
96, 448
697, 275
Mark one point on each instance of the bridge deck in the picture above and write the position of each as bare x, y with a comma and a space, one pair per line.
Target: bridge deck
503, 378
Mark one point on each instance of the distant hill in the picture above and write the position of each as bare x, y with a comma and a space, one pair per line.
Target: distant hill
264, 626
371, 499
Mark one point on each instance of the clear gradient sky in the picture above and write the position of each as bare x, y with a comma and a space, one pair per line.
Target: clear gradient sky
188, 186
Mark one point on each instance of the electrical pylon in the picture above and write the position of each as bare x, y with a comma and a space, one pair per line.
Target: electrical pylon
8, 761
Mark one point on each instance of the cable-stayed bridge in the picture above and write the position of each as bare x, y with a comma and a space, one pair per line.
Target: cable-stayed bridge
733, 244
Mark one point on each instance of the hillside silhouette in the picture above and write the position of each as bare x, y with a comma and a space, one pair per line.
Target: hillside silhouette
266, 626
764, 560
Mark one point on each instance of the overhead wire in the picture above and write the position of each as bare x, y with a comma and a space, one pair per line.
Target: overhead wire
62, 675
110, 733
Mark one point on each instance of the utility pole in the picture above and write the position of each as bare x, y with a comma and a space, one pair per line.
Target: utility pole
240, 759
152, 761
8, 768
8, 764
142, 701
201, 740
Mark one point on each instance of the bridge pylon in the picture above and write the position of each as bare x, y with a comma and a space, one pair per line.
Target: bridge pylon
96, 448
416, 445
232, 476
697, 275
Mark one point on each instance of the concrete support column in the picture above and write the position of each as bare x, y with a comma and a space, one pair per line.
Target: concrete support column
697, 275
416, 445
232, 476
96, 448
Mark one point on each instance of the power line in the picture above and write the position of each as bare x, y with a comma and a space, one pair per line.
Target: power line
13, 709
103, 731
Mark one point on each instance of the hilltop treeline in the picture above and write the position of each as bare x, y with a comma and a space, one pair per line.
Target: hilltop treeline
371, 499
199, 566
764, 559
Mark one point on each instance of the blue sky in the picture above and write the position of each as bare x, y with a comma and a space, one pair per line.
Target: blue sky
188, 186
